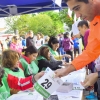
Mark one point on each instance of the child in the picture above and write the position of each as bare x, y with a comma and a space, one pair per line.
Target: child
14, 78
27, 61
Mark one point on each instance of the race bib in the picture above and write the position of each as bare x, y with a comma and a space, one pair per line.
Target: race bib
48, 83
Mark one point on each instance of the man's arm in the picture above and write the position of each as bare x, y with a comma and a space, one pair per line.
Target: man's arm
90, 54
64, 71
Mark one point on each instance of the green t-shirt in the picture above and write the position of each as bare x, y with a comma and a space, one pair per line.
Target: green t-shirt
4, 89
19, 74
54, 53
29, 68
40, 57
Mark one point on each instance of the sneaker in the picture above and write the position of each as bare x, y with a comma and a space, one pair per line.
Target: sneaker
91, 96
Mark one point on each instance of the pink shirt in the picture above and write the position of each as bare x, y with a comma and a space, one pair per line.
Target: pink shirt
16, 47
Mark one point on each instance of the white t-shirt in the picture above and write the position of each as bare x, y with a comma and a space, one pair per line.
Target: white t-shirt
39, 43
97, 64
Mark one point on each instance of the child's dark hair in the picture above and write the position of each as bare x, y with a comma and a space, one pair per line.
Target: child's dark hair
83, 22
52, 40
66, 35
30, 50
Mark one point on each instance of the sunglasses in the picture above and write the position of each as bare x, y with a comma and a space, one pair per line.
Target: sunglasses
17, 39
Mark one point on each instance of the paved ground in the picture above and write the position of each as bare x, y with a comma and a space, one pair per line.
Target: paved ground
85, 94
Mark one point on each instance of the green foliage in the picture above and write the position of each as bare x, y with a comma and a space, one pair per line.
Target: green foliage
58, 24
42, 23
18, 23
48, 23
65, 18
11, 22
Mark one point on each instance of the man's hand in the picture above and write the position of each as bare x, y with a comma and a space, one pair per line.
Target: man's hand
39, 75
90, 80
65, 64
64, 71
60, 72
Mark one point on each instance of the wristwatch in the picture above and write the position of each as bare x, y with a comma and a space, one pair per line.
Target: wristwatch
98, 74
33, 79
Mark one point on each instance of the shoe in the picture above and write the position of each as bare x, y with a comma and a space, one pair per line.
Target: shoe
91, 96
92, 93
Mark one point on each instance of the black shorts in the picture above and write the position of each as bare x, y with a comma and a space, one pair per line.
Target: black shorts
76, 50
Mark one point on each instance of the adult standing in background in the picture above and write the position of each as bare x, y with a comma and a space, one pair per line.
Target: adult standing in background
76, 45
40, 40
67, 44
29, 39
60, 49
16, 45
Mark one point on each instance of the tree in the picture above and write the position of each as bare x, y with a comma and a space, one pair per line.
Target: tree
58, 24
38, 23
48, 23
18, 23
42, 23
11, 22
23, 23
65, 18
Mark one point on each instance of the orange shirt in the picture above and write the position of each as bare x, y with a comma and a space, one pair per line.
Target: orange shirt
92, 50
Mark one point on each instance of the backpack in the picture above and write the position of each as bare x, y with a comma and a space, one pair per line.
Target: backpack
66, 43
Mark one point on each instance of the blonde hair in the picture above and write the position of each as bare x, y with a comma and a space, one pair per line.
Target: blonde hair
41, 35
47, 39
14, 38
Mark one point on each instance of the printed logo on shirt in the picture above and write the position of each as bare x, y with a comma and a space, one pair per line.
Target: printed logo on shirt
95, 24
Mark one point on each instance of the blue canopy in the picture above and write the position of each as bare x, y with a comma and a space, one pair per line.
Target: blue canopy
17, 7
